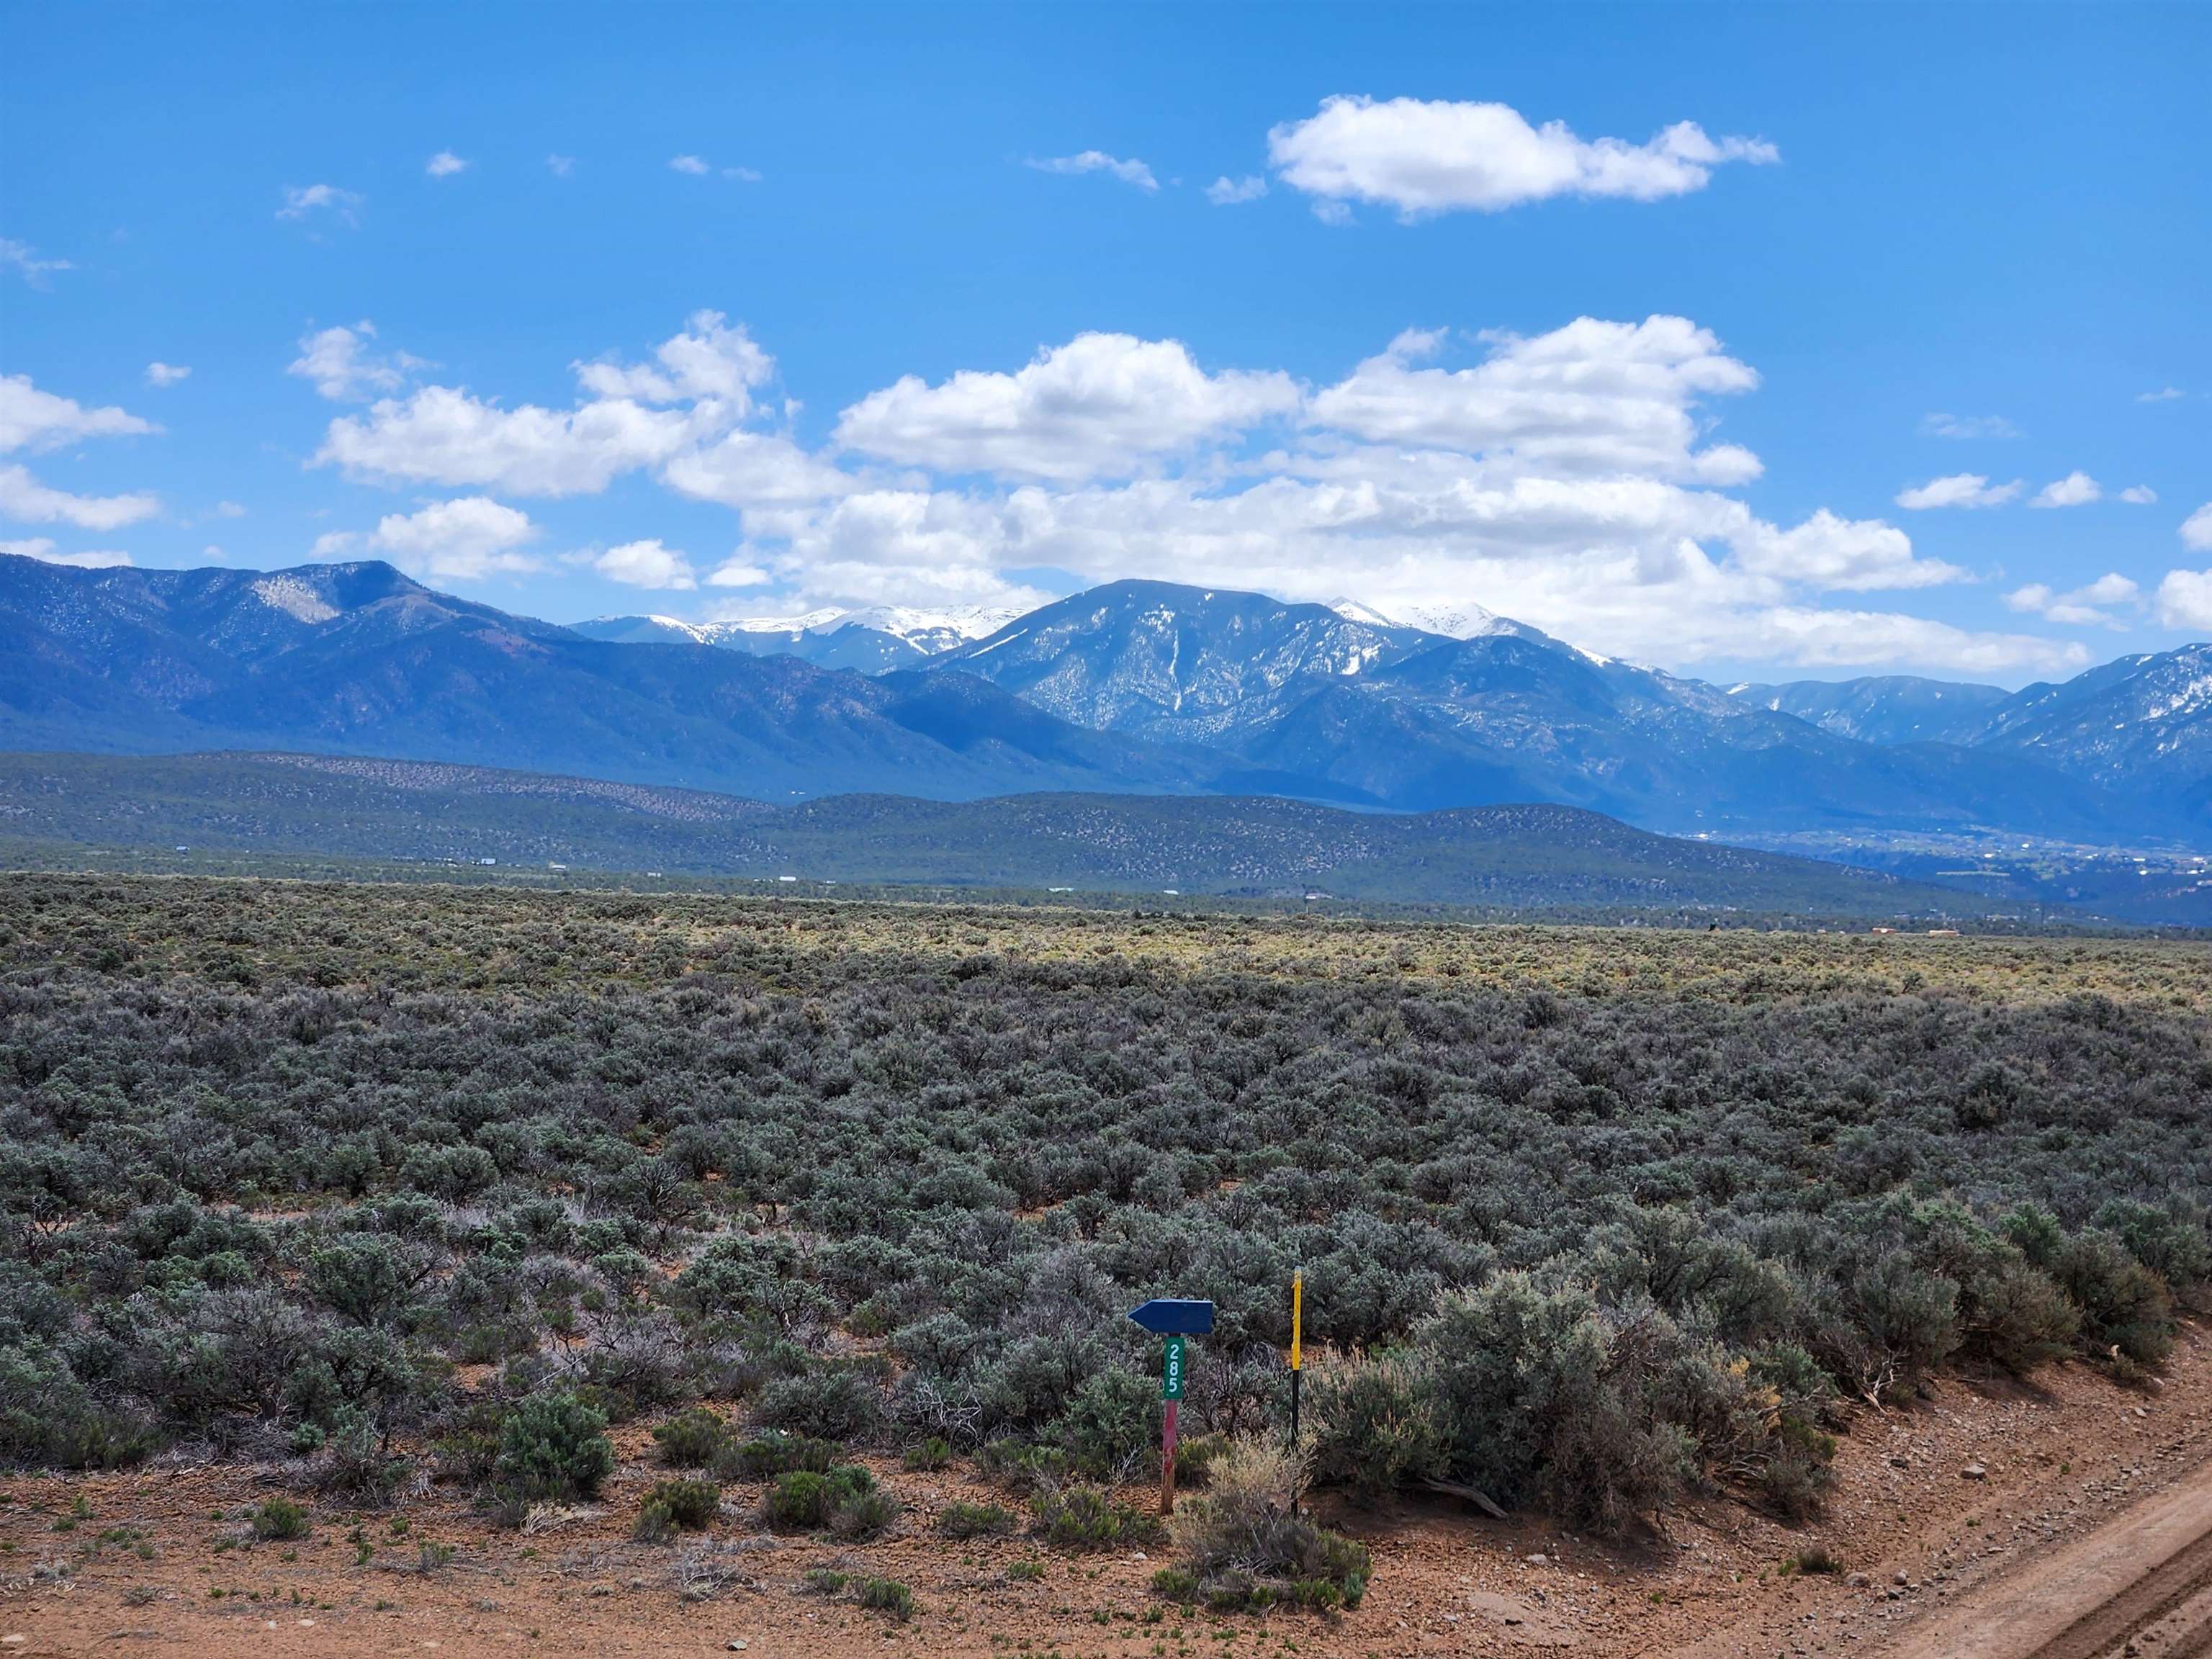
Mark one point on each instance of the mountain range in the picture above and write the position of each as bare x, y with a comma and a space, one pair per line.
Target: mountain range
1134, 687
873, 641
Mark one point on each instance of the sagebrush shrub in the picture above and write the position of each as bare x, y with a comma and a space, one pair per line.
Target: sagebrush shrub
691, 1439
827, 1405
1085, 1518
1241, 1545
279, 1518
885, 1595
961, 1520
553, 1445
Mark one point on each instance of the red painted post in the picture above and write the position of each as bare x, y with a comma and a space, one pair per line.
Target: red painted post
1167, 1456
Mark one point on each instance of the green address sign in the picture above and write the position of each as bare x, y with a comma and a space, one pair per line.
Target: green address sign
1171, 1369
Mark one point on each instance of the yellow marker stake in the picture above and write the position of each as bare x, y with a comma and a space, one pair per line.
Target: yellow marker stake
1297, 1312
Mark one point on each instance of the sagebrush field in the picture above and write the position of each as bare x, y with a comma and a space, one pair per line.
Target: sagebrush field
392, 1189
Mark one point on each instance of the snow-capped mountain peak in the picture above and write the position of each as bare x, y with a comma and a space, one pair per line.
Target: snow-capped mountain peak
1453, 622
916, 626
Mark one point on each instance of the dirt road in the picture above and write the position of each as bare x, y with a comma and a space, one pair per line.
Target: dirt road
2141, 1584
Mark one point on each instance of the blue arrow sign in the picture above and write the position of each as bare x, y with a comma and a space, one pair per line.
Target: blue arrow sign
1167, 1316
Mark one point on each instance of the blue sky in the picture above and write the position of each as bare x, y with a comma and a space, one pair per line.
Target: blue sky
1741, 341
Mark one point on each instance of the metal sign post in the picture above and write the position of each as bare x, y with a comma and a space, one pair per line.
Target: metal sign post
1171, 1376
1297, 1374
1174, 1319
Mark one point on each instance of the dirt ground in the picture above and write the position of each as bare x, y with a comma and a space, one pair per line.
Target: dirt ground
1988, 1496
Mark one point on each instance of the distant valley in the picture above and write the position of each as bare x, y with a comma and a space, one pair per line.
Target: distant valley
1497, 860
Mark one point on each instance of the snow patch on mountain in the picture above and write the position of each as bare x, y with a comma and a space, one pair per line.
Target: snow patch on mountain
297, 599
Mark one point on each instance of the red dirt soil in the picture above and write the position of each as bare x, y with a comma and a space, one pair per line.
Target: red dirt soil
1929, 1556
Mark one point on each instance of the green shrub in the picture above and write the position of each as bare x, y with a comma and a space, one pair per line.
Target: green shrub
1242, 1548
363, 1277
691, 1439
553, 1445
279, 1518
1112, 1423
797, 1503
687, 1504
1025, 1572
1175, 1584
864, 1514
843, 1499
977, 1520
931, 1454
2019, 1319
2125, 1311
826, 1581
48, 1417
1541, 1394
357, 1464
828, 1405
1085, 1518
885, 1595
765, 1456
2170, 1242
1194, 1456
1375, 1423
1023, 1469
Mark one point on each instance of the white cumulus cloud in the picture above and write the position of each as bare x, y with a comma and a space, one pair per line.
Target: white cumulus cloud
708, 359
1102, 404
2185, 599
310, 201
1838, 555
691, 164
642, 415
755, 470
1425, 157
647, 564
1129, 172
1958, 489
466, 539
34, 419
343, 367
2196, 530
2075, 489
1225, 192
2089, 606
1968, 426
443, 164
42, 549
1592, 396
164, 374
27, 500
